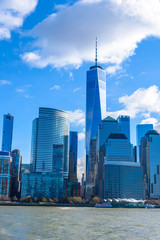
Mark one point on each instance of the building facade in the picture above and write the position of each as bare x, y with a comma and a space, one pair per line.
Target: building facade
73, 151
95, 108
16, 173
123, 178
124, 123
5, 174
7, 132
141, 130
150, 160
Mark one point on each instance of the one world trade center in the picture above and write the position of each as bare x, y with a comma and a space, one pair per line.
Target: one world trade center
95, 112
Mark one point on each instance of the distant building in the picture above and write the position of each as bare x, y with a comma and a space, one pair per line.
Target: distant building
123, 178
141, 130
106, 127
124, 123
72, 189
73, 150
5, 174
150, 160
7, 132
16, 173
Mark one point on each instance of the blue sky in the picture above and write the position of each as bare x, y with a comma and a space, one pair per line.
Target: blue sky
46, 47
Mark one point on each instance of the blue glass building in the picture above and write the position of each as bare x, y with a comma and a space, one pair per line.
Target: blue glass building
124, 123
7, 132
52, 127
95, 107
123, 178
73, 150
141, 130
150, 160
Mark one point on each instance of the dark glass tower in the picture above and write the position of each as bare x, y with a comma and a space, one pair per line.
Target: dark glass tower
95, 107
7, 132
73, 148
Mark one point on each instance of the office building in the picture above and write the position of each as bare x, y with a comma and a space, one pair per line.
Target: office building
73, 150
7, 132
123, 178
150, 160
51, 128
16, 173
141, 130
5, 175
124, 123
106, 127
95, 107
41, 185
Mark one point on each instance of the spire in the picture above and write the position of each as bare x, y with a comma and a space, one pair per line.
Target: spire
96, 54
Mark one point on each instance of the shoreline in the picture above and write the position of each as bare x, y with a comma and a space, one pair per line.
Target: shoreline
23, 204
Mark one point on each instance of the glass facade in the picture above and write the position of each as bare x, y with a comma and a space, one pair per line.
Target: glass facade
5, 174
41, 184
124, 123
123, 180
7, 132
106, 127
16, 172
52, 127
141, 130
150, 160
73, 149
95, 107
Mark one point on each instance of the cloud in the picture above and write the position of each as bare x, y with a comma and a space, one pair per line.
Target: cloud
80, 168
149, 121
5, 82
76, 89
55, 87
143, 101
77, 117
66, 38
81, 136
113, 69
12, 15
24, 91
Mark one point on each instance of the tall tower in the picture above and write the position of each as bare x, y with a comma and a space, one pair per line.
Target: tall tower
73, 149
95, 106
7, 132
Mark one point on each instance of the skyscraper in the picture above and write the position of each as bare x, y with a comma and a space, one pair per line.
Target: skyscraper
141, 130
95, 106
73, 148
123, 178
124, 123
51, 128
150, 160
7, 132
16, 172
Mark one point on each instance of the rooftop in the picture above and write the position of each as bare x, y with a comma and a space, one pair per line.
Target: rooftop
117, 136
109, 119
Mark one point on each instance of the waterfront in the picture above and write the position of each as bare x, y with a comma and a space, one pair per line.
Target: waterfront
67, 223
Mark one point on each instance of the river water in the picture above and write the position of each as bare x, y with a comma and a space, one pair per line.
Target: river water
67, 223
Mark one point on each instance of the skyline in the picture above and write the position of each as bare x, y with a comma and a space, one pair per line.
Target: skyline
26, 86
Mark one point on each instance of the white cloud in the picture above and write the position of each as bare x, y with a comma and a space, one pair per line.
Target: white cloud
66, 38
81, 136
113, 69
142, 101
77, 117
20, 90
149, 121
76, 89
24, 91
12, 14
80, 168
5, 82
55, 87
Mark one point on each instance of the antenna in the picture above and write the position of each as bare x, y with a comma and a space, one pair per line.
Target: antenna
96, 54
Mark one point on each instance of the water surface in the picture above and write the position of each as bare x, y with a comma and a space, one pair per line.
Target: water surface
67, 223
